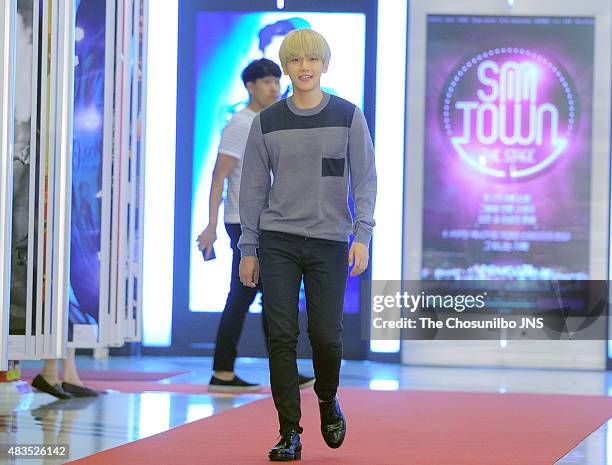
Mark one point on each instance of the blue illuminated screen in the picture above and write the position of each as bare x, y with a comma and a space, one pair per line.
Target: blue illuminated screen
225, 42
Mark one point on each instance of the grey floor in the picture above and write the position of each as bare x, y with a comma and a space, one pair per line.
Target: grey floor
90, 426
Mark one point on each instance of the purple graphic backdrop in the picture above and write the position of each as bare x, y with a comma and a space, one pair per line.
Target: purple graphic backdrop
507, 147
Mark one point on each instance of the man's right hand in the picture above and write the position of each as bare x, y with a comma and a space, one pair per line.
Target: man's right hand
249, 271
206, 239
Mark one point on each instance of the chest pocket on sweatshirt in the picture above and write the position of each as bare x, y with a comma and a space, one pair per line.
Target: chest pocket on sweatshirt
333, 165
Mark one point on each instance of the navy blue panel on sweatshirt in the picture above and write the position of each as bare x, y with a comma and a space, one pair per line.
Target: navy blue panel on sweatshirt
338, 113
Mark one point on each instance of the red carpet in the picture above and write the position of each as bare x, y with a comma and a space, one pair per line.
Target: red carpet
142, 386
386, 428
90, 375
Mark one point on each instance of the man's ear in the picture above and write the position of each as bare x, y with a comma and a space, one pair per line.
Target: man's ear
250, 87
285, 72
325, 66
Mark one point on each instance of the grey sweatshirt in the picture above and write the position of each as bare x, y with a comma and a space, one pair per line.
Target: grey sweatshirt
313, 155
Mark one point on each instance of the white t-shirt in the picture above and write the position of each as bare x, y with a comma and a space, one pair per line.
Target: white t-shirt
233, 142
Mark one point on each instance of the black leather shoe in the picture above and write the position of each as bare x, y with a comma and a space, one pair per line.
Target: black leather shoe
288, 448
333, 423
79, 391
54, 389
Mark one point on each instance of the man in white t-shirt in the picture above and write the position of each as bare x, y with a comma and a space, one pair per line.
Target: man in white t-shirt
261, 78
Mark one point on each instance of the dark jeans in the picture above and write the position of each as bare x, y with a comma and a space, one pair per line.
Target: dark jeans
239, 300
284, 260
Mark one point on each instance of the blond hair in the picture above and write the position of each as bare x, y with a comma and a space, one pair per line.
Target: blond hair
304, 43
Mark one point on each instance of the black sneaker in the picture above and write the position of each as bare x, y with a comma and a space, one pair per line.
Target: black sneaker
333, 423
234, 386
305, 381
288, 448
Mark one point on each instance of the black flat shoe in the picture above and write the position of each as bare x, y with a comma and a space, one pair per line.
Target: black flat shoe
333, 423
234, 386
79, 391
288, 448
54, 389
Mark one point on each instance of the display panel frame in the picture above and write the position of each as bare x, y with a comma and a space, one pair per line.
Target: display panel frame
137, 171
42, 115
34, 173
123, 240
22, 346
142, 169
64, 86
48, 180
414, 352
132, 237
106, 316
90, 335
55, 62
128, 327
48, 20
8, 11
120, 166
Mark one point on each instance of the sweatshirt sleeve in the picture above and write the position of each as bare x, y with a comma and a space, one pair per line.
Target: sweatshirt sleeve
363, 177
254, 188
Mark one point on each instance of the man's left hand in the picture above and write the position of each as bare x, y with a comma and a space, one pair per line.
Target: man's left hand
359, 256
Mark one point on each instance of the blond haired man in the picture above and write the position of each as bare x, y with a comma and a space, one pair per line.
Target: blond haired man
297, 227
